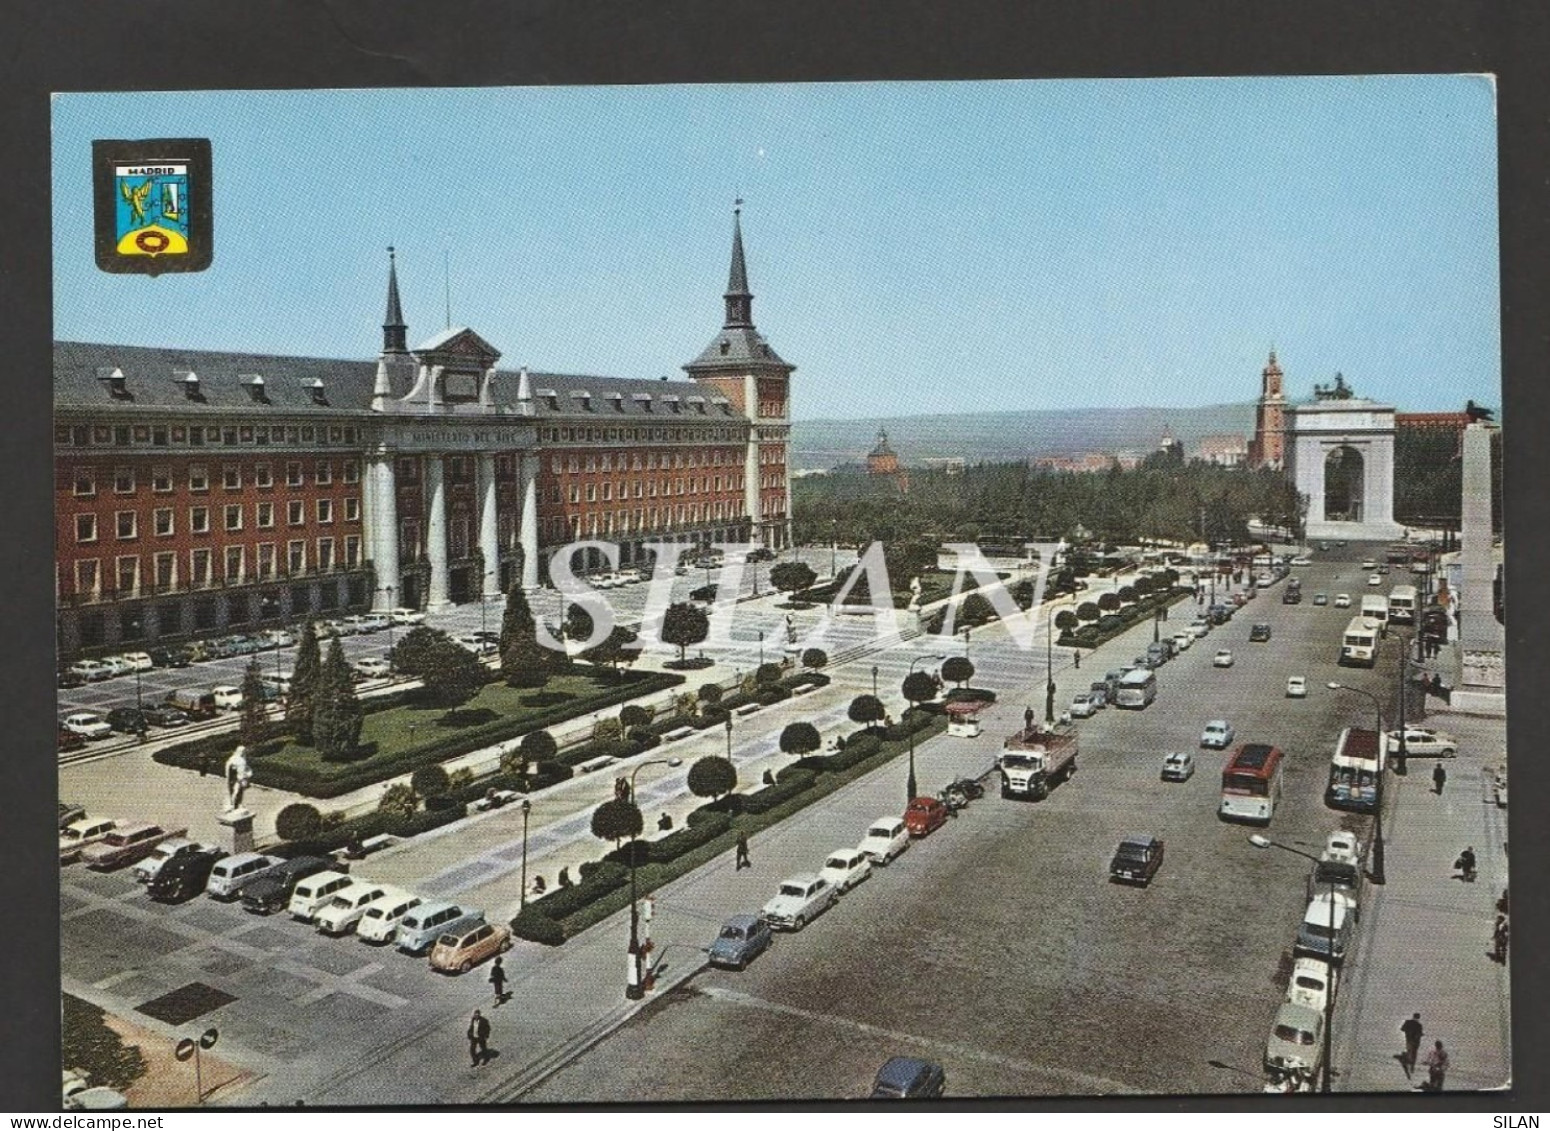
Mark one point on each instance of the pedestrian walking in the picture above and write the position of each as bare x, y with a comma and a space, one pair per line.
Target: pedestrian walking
1076, 658
1499, 939
1436, 1067
498, 980
742, 853
1413, 1032
478, 1039
1439, 779
1028, 720
1466, 865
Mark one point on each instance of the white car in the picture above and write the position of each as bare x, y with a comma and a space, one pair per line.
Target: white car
145, 870
1218, 734
1301, 561
1312, 982
340, 914
312, 893
87, 725
1369, 564
885, 839
1082, 707
373, 667
1178, 767
1182, 641
1424, 742
138, 661
474, 644
1200, 628
280, 637
1296, 687
1342, 846
91, 670
495, 799
1222, 659
379, 922
1375, 580
118, 665
845, 868
1263, 581
799, 900
78, 834
1342, 600
372, 622
227, 698
407, 616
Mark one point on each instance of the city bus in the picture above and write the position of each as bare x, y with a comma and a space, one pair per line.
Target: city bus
1402, 604
1251, 784
1375, 607
1359, 644
1136, 689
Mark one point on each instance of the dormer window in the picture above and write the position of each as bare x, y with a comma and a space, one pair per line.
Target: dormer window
318, 394
113, 379
551, 399
191, 388
726, 347
643, 400
618, 399
584, 396
254, 384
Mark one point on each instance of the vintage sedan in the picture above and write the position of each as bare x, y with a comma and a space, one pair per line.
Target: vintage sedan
1421, 742
1296, 1039
460, 952
1217, 735
924, 816
87, 725
1222, 659
742, 939
1296, 687
846, 867
74, 837
799, 900
1136, 860
1342, 600
1178, 767
127, 844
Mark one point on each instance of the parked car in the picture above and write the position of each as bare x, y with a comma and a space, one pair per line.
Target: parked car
494, 799
138, 661
1217, 735
474, 644
1082, 706
126, 845
1342, 600
74, 837
460, 952
380, 922
128, 720
88, 725
1178, 767
1259, 634
118, 666
67, 740
1301, 560
885, 839
924, 816
1341, 880
184, 876
909, 1078
1200, 627
1374, 580
1325, 930
1098, 695
340, 914
1321, 599
164, 715
1296, 687
372, 667
69, 813
230, 875
1424, 742
1222, 659
91, 670
1312, 982
66, 679
742, 938
312, 892
845, 868
1342, 845
1182, 641
280, 638
196, 704
1368, 565
147, 869
799, 900
227, 697
1136, 860
407, 616
420, 929
78, 1094
1296, 1039
273, 892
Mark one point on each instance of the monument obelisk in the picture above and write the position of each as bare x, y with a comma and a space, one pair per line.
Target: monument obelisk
1482, 687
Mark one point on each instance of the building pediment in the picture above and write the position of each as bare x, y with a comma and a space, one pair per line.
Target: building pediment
458, 347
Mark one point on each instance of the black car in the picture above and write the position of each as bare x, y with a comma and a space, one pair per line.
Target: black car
68, 812
164, 715
184, 876
68, 679
272, 892
128, 720
1259, 634
908, 1078
703, 593
1136, 860
169, 657
1292, 597
761, 554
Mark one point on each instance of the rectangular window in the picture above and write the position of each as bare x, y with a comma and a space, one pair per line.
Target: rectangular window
266, 516
325, 510
164, 523
125, 523
123, 481
324, 473
198, 477
233, 564
128, 575
556, 465
263, 475
87, 577
161, 480
85, 483
325, 553
199, 520
351, 470
166, 571
575, 493
352, 551
352, 510
608, 492
296, 558
571, 464
295, 512
85, 528
234, 517
231, 477
591, 492
608, 462
265, 561
199, 567
293, 474
121, 436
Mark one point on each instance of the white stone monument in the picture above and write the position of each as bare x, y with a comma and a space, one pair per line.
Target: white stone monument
237, 821
1340, 454
1482, 687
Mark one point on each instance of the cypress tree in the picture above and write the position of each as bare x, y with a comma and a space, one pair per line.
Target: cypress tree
336, 722
300, 710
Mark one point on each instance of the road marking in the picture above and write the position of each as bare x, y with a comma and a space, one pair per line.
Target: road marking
330, 984
114, 979
1068, 1081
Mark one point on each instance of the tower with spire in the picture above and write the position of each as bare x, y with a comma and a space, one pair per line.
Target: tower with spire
740, 366
1268, 448
395, 365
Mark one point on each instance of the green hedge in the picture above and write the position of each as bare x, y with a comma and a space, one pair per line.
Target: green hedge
540, 920
696, 833
788, 783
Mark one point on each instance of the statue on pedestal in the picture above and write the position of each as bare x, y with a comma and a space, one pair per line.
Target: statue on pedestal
915, 592
238, 775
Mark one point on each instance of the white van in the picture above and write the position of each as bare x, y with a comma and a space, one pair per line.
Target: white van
340, 914
379, 923
229, 875
886, 838
428, 922
314, 891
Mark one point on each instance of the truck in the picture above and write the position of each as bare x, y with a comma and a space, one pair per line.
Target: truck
1354, 771
1035, 759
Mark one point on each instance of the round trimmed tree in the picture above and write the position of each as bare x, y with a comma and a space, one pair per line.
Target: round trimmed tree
712, 776
866, 710
298, 821
1088, 611
1066, 620
616, 821
799, 739
683, 625
958, 669
814, 658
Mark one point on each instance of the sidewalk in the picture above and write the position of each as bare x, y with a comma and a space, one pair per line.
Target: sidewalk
1425, 936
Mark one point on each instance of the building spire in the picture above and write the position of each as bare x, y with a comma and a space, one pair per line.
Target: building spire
739, 298
394, 330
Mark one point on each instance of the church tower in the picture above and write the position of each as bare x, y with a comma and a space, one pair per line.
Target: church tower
1267, 449
740, 366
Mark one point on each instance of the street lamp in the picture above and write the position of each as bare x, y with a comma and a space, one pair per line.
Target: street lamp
484, 605
910, 785
1400, 766
834, 547
874, 681
1329, 989
729, 737
1376, 874
527, 807
966, 641
1049, 666
634, 987
761, 647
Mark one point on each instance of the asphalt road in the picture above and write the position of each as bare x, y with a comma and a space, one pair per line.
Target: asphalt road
998, 948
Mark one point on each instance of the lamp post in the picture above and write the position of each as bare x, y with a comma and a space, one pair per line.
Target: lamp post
910, 785
634, 987
1329, 996
134, 627
1400, 766
874, 681
729, 737
1049, 666
484, 605
834, 547
1376, 874
761, 647
966, 641
527, 807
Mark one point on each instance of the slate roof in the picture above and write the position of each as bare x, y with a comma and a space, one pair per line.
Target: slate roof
745, 347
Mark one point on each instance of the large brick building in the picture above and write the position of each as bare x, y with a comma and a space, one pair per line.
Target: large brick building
196, 490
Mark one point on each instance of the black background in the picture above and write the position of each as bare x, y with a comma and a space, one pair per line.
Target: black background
75, 45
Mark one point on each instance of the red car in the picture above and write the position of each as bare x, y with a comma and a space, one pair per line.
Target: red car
924, 815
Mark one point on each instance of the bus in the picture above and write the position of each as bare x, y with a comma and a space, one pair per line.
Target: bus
1402, 607
1136, 689
1359, 644
1251, 784
1375, 607
1397, 555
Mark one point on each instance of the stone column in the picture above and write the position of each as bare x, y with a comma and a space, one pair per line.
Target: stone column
1482, 674
382, 531
527, 532
489, 538
436, 533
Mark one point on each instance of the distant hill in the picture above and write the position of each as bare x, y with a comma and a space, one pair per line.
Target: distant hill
996, 437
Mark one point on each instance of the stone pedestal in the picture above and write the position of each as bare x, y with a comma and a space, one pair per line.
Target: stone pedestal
238, 824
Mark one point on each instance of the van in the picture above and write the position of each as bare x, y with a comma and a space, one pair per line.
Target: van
420, 929
228, 876
885, 839
340, 914
314, 891
196, 704
1325, 930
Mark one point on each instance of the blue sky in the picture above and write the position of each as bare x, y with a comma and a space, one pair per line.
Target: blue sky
914, 247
